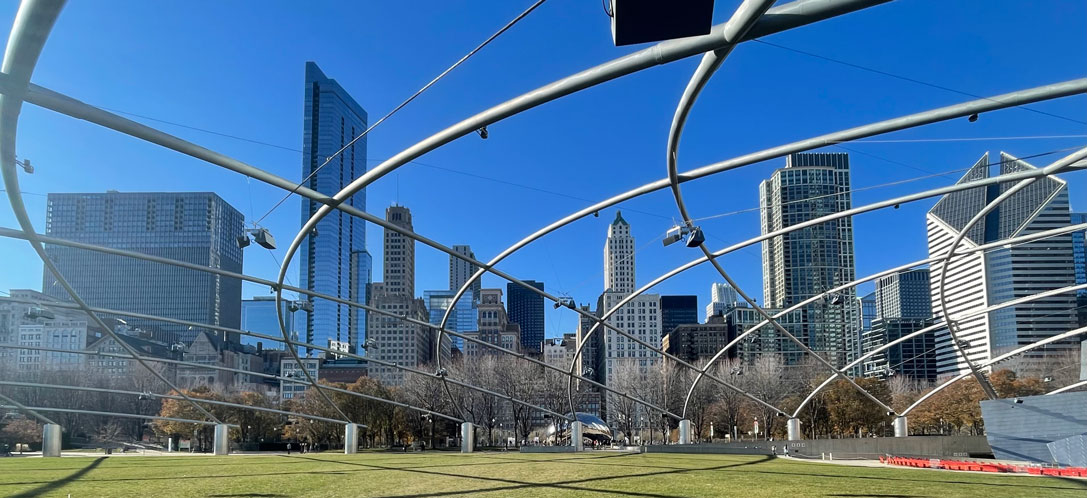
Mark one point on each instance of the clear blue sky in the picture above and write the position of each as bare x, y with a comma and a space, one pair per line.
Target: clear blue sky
237, 68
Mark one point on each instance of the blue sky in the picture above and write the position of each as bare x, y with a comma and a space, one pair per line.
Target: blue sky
237, 68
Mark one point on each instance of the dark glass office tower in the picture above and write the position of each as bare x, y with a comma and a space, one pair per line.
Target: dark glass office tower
676, 311
811, 260
194, 227
333, 259
526, 308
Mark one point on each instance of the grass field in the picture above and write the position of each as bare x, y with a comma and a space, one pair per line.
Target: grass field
497, 474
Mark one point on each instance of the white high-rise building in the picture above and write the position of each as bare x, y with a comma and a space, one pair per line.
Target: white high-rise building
619, 257
640, 318
978, 280
722, 299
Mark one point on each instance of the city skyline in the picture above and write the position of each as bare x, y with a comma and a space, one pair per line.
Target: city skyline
560, 260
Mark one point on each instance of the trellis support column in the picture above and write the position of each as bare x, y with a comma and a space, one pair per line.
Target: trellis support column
685, 431
221, 444
575, 436
351, 439
467, 437
51, 440
901, 426
793, 427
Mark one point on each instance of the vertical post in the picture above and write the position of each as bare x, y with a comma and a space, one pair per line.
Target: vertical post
221, 444
684, 431
170, 444
467, 437
793, 427
901, 427
350, 439
575, 436
51, 440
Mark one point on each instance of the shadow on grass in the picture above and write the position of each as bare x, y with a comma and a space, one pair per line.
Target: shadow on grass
515, 485
252, 495
50, 486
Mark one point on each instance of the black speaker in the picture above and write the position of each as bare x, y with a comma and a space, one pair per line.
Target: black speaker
641, 21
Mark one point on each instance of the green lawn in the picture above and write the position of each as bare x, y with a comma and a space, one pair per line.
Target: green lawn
496, 474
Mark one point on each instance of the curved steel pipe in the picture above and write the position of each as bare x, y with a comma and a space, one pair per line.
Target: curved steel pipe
235, 370
934, 327
996, 102
17, 234
124, 415
32, 26
945, 262
998, 359
298, 343
711, 61
169, 396
1071, 162
1077, 385
21, 407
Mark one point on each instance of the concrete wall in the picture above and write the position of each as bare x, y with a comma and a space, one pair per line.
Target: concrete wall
914, 446
1022, 431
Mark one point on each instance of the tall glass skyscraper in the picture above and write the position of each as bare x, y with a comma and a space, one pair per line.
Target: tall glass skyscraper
334, 259
812, 260
465, 317
194, 227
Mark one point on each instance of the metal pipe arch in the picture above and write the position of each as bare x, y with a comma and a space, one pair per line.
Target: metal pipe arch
235, 370
7, 232
169, 396
33, 23
709, 64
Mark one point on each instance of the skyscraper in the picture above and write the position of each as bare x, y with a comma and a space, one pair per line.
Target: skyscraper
722, 299
676, 311
199, 228
460, 270
812, 260
333, 259
392, 339
640, 318
526, 308
864, 312
465, 317
399, 255
619, 257
977, 280
904, 295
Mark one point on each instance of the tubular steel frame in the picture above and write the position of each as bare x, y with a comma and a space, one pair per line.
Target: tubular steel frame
753, 19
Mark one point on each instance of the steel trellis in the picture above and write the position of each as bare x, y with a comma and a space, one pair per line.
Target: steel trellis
235, 370
854, 283
170, 396
935, 327
32, 26
711, 61
20, 406
117, 414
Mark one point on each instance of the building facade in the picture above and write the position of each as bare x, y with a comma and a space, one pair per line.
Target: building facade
526, 308
676, 311
465, 317
333, 260
810, 261
975, 281
914, 358
904, 295
259, 315
700, 341
460, 270
722, 299
641, 317
192, 227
